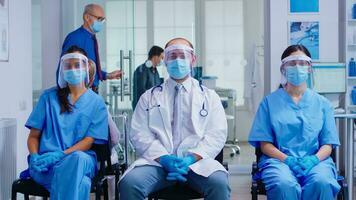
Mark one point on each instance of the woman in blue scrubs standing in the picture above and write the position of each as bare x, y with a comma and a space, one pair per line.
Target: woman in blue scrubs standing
295, 129
65, 123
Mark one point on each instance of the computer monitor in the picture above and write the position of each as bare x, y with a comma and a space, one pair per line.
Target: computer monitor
328, 78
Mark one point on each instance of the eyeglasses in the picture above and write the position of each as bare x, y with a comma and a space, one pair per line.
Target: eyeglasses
100, 19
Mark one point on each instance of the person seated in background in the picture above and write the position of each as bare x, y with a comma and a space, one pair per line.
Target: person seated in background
146, 75
295, 129
64, 124
113, 130
177, 129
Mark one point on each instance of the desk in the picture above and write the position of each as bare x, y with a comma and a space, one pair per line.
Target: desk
348, 138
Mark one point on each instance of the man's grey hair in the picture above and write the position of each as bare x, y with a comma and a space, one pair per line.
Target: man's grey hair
88, 9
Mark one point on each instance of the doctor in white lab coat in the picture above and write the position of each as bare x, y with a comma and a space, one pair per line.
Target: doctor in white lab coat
177, 129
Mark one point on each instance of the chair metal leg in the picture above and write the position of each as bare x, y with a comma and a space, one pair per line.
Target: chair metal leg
116, 187
26, 197
13, 195
98, 192
345, 192
254, 192
106, 190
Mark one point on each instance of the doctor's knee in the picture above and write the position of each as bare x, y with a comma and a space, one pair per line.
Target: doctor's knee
218, 181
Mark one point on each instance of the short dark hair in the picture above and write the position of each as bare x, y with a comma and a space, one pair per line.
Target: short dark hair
75, 48
293, 48
179, 38
155, 51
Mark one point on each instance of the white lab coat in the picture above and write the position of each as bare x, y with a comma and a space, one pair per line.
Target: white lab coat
254, 86
151, 131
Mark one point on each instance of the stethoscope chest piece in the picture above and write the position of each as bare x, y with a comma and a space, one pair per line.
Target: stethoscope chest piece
203, 112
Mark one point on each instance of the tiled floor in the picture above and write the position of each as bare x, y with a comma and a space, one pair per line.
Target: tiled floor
240, 169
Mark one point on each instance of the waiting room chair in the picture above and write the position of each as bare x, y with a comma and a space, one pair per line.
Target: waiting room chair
258, 187
99, 184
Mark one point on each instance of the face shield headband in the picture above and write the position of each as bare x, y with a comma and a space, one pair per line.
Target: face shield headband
182, 52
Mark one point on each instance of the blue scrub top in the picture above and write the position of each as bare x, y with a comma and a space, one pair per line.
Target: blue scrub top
88, 118
296, 130
85, 40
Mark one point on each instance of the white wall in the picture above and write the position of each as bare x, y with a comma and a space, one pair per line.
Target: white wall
16, 81
328, 18
253, 34
51, 40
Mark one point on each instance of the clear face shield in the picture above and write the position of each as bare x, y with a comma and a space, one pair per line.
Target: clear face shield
179, 60
295, 65
174, 52
92, 72
73, 70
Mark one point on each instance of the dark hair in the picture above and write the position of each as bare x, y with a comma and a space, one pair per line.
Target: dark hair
155, 51
63, 93
179, 38
293, 48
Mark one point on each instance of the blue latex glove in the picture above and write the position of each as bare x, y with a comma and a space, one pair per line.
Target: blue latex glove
32, 163
170, 162
184, 165
293, 164
175, 176
49, 159
186, 162
308, 162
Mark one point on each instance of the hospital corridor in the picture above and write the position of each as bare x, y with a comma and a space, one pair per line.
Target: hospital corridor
178, 99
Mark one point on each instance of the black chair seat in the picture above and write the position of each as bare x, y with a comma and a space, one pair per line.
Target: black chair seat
180, 191
99, 183
28, 186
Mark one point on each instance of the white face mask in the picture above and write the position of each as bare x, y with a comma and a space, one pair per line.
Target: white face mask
161, 63
148, 64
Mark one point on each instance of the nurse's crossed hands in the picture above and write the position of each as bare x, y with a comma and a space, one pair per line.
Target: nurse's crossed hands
308, 162
293, 164
48, 160
33, 159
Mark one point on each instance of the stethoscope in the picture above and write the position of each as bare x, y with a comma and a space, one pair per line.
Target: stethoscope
203, 111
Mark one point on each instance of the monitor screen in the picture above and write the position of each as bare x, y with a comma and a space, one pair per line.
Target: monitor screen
328, 78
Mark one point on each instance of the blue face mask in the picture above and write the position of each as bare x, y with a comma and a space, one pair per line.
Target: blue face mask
178, 68
297, 75
74, 76
97, 26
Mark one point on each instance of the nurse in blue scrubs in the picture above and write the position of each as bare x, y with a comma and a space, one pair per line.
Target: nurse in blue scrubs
295, 129
65, 123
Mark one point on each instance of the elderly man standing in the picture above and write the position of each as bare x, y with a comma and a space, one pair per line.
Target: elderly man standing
177, 128
85, 38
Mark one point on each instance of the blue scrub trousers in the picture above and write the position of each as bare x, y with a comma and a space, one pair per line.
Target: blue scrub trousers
281, 183
70, 178
143, 180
